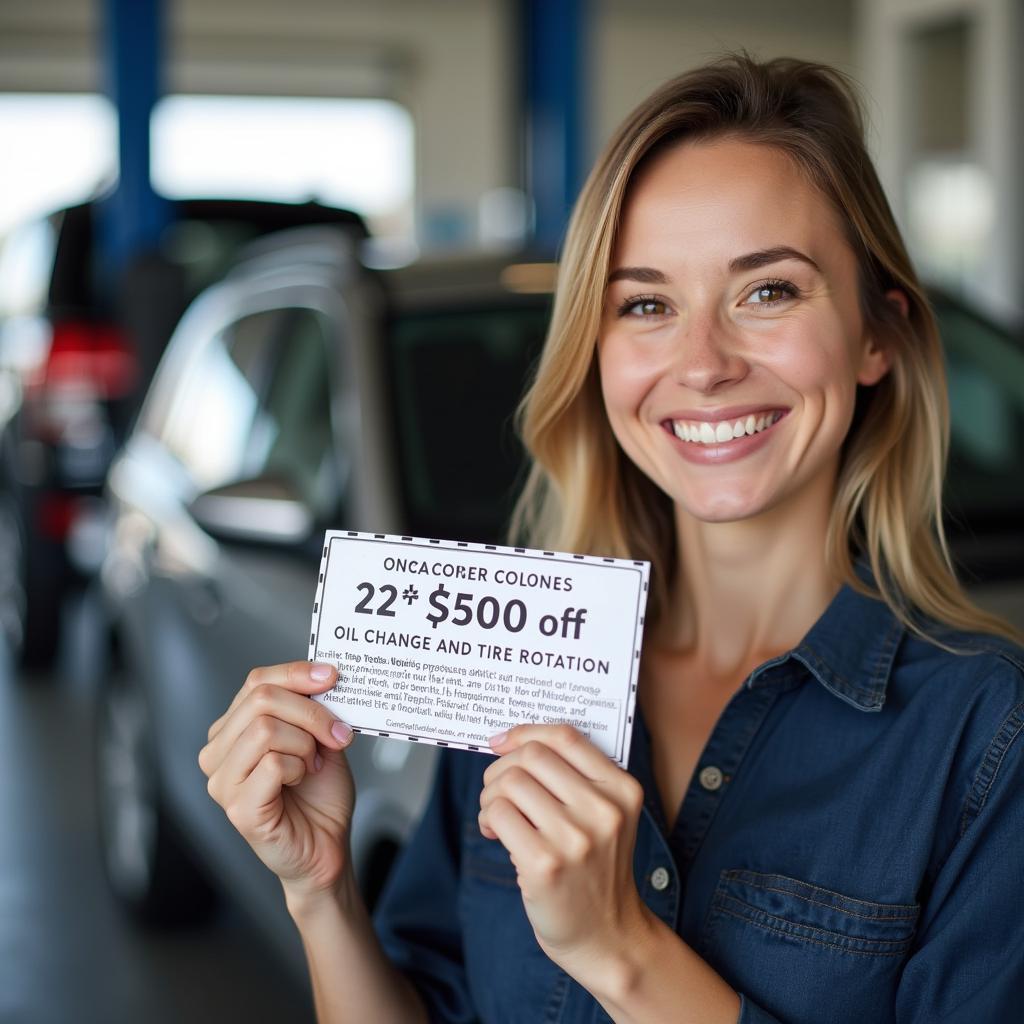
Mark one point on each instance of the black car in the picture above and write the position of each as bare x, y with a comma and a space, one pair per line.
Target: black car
74, 361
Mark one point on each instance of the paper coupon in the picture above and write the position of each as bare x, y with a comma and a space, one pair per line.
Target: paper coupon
449, 643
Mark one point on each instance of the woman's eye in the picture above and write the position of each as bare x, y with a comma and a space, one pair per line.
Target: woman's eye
771, 293
643, 307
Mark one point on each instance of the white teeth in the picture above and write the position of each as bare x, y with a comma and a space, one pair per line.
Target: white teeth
705, 433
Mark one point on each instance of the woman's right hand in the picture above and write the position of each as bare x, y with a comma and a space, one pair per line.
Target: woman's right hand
275, 763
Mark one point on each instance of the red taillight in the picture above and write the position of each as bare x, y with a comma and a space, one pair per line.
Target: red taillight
56, 513
91, 357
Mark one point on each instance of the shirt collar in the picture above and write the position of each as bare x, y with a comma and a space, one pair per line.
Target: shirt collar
849, 650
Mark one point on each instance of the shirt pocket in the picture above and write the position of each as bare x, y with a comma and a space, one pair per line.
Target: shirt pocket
806, 952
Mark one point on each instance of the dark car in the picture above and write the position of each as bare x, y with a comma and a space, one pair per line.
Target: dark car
984, 496
74, 360
305, 392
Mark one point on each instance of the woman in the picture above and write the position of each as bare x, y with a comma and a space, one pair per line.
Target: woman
743, 384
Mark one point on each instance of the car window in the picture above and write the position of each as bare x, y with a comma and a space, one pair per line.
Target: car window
292, 436
214, 413
986, 395
204, 249
26, 261
457, 378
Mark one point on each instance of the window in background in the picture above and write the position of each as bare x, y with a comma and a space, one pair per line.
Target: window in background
57, 149
950, 200
340, 152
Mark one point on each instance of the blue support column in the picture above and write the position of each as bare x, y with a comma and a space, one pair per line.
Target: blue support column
555, 44
133, 217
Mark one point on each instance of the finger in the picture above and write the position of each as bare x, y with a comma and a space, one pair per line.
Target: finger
548, 815
298, 676
548, 767
257, 805
275, 702
261, 736
570, 743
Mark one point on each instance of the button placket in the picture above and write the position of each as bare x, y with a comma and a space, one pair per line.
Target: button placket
656, 871
726, 747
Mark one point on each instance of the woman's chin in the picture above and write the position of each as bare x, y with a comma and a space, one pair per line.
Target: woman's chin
721, 507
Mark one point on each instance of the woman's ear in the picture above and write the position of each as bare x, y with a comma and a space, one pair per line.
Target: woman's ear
876, 359
898, 298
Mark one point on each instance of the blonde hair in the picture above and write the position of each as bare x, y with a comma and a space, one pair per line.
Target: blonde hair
584, 494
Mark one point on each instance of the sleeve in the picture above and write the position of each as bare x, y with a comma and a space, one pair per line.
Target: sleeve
967, 962
416, 917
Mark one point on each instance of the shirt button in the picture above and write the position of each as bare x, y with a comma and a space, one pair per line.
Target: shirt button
660, 879
711, 777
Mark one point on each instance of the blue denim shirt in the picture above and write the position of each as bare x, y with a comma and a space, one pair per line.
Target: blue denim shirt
850, 848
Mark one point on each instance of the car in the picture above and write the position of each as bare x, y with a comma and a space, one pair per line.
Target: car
307, 392
304, 391
984, 495
74, 360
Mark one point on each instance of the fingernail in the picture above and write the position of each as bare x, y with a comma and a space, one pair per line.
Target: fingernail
496, 741
321, 673
318, 763
341, 732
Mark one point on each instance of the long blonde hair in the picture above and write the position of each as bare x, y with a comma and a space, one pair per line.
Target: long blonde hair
584, 494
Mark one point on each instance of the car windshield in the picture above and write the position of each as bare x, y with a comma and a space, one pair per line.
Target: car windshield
986, 394
457, 378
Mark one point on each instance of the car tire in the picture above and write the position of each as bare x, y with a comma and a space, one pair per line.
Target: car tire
12, 582
32, 575
148, 868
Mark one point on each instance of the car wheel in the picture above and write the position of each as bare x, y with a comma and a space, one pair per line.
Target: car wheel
147, 867
12, 586
32, 575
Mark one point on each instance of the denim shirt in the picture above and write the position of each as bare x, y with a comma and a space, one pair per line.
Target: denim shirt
850, 848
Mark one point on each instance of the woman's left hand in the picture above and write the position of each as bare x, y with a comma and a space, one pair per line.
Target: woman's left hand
568, 817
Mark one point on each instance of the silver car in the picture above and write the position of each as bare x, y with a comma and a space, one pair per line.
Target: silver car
303, 392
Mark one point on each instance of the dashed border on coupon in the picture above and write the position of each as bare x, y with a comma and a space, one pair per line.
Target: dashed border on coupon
643, 568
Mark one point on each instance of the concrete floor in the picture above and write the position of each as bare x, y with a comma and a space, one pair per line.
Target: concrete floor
67, 954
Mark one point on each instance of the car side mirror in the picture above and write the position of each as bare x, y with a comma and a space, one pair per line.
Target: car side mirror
267, 510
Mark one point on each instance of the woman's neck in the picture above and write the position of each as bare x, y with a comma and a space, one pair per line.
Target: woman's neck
748, 590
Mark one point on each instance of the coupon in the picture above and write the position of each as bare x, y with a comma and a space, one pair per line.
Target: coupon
450, 642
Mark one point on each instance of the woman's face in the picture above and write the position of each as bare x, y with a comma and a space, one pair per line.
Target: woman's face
731, 337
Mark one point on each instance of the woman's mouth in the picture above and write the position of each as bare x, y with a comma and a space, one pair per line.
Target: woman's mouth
709, 442
724, 430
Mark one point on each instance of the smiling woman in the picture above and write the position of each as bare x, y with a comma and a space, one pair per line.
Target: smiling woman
822, 815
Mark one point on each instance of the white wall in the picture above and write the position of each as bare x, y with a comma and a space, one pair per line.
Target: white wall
638, 44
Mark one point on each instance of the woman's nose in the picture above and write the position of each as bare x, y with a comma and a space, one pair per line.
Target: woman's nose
706, 356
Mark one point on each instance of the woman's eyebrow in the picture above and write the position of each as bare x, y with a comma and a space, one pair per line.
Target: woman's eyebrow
645, 275
762, 257
750, 261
